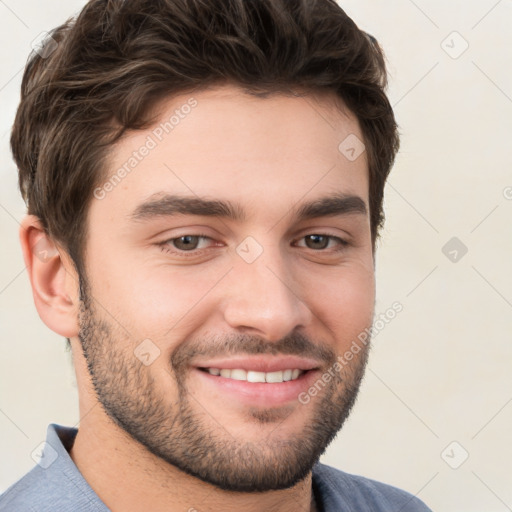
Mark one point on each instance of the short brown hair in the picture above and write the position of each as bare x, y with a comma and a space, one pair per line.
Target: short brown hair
112, 63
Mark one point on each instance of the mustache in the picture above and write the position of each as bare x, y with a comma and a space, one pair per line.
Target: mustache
239, 344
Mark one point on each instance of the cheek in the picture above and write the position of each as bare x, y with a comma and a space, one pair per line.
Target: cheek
346, 304
152, 302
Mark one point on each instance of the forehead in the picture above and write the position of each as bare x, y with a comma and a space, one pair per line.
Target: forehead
224, 143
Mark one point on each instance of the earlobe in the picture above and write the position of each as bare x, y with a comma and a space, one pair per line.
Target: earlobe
53, 279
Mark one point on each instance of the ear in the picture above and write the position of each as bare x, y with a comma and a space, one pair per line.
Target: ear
53, 278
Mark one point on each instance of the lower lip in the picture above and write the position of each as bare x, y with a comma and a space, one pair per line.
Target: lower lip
260, 394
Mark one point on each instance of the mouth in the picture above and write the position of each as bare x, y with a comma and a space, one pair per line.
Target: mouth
258, 381
254, 376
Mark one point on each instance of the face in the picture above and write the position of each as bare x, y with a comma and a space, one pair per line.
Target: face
228, 268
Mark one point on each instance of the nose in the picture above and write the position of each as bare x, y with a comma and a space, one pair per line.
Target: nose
263, 299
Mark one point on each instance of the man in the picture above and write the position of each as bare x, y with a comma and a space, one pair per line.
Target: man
204, 184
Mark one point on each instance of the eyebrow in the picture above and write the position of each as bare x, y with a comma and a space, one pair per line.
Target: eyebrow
166, 205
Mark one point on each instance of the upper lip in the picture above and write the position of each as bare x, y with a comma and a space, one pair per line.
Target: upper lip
260, 363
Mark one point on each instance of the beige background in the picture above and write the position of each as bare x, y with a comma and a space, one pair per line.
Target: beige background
441, 370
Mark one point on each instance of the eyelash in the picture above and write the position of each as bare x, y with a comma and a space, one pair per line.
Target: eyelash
165, 245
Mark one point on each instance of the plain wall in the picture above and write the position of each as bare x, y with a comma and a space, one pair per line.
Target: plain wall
440, 371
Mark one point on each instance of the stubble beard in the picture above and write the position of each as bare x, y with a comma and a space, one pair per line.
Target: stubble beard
179, 432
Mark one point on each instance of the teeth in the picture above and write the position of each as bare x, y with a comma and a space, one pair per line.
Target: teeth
251, 376
274, 376
239, 374
255, 376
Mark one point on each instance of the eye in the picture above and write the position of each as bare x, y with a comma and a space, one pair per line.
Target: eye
320, 241
193, 244
185, 243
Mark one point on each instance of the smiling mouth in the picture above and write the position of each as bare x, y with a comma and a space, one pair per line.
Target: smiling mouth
254, 376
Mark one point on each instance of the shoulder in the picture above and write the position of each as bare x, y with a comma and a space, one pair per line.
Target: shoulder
54, 483
339, 489
26, 493
40, 491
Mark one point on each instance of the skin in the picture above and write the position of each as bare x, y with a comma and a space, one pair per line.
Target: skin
270, 156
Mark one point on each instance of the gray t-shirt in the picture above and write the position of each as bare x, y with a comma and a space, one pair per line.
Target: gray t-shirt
56, 485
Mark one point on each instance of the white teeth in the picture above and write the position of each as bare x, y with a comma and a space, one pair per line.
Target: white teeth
274, 376
287, 375
239, 374
252, 376
255, 376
